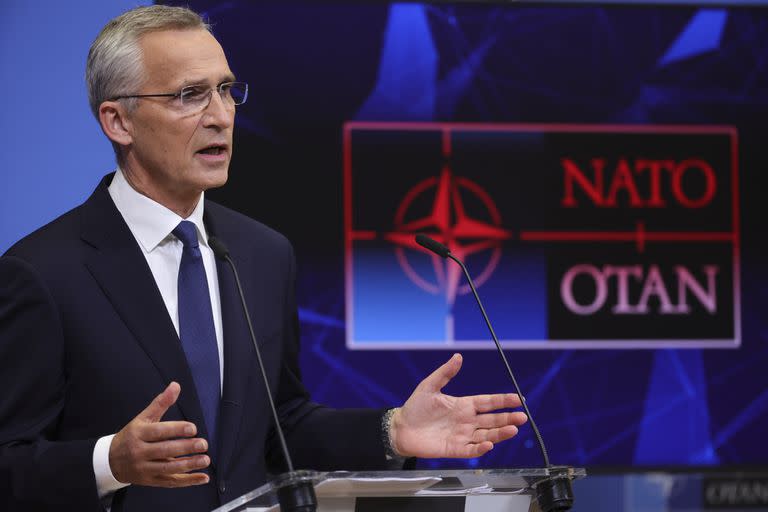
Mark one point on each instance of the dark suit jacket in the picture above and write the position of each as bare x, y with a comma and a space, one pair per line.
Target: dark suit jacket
86, 343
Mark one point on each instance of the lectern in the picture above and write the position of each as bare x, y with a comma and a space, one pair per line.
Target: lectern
483, 490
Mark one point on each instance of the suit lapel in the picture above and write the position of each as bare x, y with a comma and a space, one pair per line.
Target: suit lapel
239, 355
121, 270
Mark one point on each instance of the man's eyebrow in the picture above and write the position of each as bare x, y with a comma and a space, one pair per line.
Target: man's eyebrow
202, 81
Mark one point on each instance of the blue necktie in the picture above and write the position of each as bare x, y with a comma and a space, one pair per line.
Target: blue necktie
196, 330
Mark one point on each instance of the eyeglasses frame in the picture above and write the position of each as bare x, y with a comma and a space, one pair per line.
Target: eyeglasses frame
180, 93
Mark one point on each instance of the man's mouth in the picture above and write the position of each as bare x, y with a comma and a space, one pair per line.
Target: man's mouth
213, 150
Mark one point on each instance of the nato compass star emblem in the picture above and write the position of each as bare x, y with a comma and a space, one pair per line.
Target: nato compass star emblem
449, 223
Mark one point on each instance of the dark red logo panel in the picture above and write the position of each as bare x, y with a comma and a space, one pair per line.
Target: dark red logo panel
578, 236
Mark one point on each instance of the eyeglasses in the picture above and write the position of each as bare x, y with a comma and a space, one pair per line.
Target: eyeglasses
196, 98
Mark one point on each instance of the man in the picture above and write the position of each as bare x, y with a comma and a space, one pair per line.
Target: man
129, 379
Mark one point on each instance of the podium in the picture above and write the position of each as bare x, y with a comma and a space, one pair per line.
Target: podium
483, 490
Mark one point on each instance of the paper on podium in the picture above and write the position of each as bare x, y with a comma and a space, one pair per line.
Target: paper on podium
373, 486
480, 489
458, 486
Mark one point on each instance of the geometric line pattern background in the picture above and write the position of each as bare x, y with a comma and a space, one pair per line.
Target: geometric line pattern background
311, 70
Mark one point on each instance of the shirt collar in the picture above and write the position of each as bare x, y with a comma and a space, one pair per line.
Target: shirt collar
150, 222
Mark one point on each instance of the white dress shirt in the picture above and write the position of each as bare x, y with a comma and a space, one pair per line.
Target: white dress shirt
152, 224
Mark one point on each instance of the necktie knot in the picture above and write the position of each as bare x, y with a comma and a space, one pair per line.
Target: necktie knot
187, 233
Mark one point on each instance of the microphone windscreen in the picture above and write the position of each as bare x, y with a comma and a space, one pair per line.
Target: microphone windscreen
433, 245
218, 247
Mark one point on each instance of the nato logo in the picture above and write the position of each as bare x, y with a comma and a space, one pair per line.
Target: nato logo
577, 236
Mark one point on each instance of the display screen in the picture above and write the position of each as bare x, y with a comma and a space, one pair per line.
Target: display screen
598, 168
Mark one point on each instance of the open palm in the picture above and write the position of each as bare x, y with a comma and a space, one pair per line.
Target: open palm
432, 424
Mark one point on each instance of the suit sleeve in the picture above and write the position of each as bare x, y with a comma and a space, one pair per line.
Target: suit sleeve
319, 437
36, 466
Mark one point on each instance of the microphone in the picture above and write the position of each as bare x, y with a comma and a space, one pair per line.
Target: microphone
299, 496
433, 245
554, 494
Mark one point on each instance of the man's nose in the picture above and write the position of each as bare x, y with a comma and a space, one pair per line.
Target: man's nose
218, 112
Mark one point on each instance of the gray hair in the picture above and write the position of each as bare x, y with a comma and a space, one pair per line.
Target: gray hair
115, 65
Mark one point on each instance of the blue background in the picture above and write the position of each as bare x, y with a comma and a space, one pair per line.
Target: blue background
54, 150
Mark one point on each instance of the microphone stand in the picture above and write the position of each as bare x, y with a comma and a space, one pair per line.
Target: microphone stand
297, 496
555, 494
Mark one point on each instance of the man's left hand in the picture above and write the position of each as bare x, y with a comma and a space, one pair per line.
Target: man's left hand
432, 424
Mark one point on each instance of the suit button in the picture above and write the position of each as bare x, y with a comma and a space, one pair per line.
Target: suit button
222, 487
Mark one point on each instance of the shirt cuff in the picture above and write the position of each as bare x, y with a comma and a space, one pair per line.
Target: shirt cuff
106, 483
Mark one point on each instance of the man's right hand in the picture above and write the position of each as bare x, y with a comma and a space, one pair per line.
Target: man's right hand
157, 453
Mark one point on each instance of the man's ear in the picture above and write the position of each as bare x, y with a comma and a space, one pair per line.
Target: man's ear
115, 122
